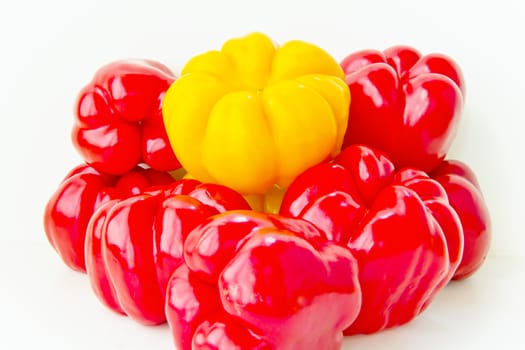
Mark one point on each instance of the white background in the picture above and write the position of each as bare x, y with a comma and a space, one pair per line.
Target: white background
50, 49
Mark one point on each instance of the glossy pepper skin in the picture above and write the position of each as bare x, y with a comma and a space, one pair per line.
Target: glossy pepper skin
83, 190
465, 196
261, 281
399, 225
405, 104
118, 122
244, 116
134, 244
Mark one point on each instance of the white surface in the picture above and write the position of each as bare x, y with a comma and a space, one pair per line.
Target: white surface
45, 305
50, 49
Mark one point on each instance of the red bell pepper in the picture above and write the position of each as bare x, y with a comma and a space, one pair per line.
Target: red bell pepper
403, 103
134, 244
119, 120
399, 225
82, 191
464, 194
261, 281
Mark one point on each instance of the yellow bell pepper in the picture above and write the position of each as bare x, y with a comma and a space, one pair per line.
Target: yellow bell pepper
270, 202
254, 115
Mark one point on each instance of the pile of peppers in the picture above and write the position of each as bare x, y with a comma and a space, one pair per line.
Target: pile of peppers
270, 197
